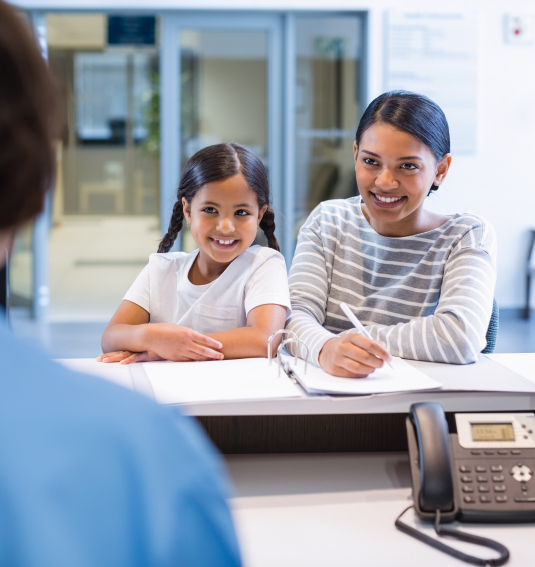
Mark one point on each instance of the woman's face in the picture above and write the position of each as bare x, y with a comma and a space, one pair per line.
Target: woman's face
395, 172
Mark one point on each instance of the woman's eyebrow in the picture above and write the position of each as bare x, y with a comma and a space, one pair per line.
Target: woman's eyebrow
410, 157
371, 153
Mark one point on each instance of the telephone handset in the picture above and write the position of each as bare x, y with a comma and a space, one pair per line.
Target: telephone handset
482, 473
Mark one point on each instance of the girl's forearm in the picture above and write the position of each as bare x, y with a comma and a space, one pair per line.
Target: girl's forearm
134, 338
245, 342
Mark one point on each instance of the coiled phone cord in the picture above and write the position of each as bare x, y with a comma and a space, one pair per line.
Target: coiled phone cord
442, 530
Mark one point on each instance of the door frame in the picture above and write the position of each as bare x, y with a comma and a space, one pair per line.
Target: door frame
171, 26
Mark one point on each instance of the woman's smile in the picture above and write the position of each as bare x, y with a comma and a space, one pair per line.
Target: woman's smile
387, 201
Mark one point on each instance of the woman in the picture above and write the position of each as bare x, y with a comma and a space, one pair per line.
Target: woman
422, 283
90, 473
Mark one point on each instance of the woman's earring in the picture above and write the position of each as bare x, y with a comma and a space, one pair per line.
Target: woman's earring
187, 224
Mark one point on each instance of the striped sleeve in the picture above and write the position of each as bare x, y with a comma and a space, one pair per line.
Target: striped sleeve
309, 281
428, 296
456, 332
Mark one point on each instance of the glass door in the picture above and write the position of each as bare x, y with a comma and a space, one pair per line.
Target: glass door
221, 82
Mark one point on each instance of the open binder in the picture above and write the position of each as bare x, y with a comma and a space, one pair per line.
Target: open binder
261, 378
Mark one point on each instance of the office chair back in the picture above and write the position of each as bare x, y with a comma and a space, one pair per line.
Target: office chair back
492, 330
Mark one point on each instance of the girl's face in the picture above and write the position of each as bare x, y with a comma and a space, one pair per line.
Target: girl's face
224, 217
395, 172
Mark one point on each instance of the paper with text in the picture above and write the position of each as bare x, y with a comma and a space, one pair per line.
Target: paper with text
403, 378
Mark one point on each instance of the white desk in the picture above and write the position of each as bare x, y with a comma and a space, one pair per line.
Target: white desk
339, 510
503, 370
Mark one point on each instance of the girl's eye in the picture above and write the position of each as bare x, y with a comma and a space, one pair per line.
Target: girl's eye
409, 166
209, 210
369, 161
242, 212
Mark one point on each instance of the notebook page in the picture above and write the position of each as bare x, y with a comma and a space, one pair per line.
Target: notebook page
403, 378
218, 380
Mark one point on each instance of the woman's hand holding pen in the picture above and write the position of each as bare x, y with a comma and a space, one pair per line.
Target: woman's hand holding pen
353, 356
165, 341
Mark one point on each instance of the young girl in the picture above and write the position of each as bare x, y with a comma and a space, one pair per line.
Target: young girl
223, 300
422, 283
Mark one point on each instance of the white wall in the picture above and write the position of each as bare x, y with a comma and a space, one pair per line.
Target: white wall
499, 181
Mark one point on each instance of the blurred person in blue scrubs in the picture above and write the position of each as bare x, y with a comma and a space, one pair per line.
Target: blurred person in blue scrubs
90, 474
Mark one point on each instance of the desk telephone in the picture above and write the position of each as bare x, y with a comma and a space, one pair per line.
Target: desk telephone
483, 473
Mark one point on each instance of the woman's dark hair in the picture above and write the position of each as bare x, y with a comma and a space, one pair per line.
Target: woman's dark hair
413, 113
27, 122
217, 163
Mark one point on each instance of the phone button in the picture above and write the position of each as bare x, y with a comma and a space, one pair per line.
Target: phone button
498, 478
515, 452
465, 468
499, 488
468, 488
483, 488
525, 499
469, 499
496, 468
485, 499
489, 452
501, 498
467, 479
503, 452
475, 452
479, 468
482, 478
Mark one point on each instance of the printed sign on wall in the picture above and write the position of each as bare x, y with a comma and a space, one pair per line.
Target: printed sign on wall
435, 54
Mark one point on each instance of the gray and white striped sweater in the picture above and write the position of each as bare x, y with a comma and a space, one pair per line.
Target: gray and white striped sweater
427, 296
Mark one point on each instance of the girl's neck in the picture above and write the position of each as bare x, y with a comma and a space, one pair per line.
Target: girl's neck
205, 270
418, 222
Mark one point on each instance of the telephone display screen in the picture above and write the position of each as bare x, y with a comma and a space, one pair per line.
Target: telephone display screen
492, 431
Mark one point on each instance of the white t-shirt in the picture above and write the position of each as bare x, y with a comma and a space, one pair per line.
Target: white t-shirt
256, 277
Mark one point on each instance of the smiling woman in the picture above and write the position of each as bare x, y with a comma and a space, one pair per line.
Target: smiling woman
422, 283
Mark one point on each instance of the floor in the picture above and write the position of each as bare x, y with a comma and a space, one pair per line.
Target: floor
66, 339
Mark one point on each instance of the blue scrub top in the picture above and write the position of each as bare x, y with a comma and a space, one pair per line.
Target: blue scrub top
92, 474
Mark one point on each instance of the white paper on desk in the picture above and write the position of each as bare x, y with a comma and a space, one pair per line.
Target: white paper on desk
218, 380
403, 378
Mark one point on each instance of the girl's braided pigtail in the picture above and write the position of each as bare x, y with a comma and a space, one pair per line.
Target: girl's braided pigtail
267, 224
175, 226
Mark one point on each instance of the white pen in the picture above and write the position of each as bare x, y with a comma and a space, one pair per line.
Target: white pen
357, 324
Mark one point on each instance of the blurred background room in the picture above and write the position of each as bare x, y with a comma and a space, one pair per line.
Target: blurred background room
144, 85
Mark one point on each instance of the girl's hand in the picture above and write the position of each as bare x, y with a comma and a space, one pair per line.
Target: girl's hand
127, 357
352, 356
180, 344
116, 356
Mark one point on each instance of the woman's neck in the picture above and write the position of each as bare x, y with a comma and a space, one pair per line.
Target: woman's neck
418, 222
